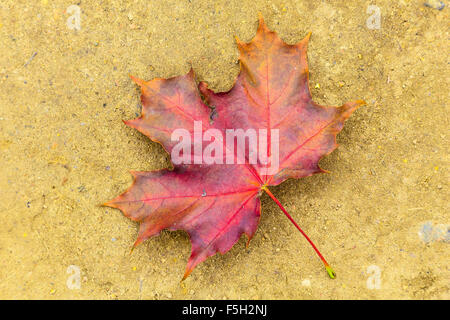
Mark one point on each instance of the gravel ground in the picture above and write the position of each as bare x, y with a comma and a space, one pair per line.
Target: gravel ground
379, 217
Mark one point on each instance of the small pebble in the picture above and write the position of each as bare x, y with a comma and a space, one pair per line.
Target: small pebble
434, 4
306, 283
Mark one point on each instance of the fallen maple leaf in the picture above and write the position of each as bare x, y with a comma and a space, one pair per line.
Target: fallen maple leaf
217, 203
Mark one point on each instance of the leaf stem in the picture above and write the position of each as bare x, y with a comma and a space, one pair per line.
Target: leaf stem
330, 270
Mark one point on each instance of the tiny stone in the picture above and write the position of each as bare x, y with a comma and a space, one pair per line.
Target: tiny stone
435, 4
306, 283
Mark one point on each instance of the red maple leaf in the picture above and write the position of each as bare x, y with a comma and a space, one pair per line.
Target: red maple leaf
216, 203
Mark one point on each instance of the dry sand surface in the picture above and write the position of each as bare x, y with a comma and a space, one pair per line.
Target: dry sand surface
381, 216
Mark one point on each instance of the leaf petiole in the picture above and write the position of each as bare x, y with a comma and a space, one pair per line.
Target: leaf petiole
330, 270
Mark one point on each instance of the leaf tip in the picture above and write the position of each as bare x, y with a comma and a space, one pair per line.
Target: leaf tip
261, 24
247, 243
136, 243
349, 107
130, 123
238, 41
355, 104
359, 103
134, 173
138, 81
323, 171
307, 37
191, 72
260, 17
108, 204
187, 273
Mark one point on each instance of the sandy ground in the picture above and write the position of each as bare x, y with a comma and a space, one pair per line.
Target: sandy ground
381, 216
